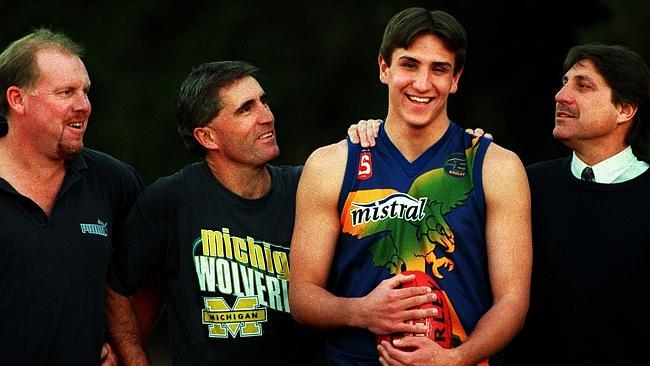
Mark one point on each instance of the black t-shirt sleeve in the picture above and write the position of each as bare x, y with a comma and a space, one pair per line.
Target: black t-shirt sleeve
139, 243
133, 186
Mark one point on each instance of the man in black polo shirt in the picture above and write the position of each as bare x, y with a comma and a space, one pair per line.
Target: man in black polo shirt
59, 206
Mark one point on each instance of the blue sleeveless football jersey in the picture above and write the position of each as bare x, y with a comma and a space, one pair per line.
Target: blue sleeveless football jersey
427, 215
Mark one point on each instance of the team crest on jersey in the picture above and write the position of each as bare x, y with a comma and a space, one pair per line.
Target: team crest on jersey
242, 319
456, 165
365, 165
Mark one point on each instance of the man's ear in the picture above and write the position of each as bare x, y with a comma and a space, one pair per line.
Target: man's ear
454, 81
383, 69
206, 136
16, 99
626, 112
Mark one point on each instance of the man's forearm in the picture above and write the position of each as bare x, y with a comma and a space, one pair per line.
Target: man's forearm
314, 306
147, 304
495, 329
123, 329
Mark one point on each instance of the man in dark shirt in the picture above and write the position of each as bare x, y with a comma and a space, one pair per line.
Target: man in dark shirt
218, 233
591, 223
60, 204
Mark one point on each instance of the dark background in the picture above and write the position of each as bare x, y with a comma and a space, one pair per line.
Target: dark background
319, 64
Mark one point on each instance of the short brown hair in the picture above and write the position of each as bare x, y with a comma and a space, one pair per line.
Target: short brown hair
199, 100
406, 26
17, 62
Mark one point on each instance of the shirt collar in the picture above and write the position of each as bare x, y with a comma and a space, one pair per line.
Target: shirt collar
77, 164
607, 170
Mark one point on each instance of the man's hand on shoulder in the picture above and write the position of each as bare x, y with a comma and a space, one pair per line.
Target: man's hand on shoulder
478, 132
364, 132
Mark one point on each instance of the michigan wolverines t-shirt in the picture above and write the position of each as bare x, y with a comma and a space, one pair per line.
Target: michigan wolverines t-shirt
225, 264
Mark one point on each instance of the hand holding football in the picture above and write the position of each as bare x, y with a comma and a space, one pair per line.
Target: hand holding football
439, 328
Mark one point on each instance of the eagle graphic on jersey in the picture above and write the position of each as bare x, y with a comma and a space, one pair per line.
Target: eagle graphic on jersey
412, 244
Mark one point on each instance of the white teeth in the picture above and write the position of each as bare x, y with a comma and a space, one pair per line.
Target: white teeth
75, 125
419, 99
266, 135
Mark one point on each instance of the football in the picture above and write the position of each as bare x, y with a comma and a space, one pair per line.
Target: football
439, 327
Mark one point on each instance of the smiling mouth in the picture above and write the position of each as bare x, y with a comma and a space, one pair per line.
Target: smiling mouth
564, 115
76, 125
267, 135
423, 100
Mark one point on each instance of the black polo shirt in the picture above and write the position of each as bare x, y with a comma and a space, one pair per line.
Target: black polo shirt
53, 269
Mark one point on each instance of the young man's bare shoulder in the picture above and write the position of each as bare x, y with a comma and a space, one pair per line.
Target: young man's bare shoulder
502, 165
325, 168
330, 155
498, 155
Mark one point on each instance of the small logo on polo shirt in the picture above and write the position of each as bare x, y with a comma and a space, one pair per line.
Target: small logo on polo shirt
100, 228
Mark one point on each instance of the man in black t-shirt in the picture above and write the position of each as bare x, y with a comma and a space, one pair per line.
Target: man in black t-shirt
218, 233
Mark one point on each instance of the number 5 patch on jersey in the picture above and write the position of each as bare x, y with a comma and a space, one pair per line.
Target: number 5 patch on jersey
365, 166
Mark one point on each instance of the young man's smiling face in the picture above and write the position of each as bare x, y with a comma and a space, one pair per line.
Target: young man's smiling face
420, 79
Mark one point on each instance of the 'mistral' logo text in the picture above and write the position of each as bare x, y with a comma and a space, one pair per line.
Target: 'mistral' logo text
100, 228
397, 205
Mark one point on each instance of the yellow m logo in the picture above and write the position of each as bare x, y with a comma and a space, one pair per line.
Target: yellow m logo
243, 318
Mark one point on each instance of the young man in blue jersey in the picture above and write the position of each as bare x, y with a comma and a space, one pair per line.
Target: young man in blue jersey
428, 198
